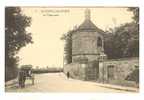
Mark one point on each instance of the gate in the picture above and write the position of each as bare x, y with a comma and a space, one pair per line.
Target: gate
110, 73
92, 71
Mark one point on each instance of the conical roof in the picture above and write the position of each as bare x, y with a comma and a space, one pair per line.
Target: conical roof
89, 26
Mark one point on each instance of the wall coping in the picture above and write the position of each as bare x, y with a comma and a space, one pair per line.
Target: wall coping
122, 59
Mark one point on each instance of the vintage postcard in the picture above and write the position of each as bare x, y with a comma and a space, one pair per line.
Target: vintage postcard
72, 49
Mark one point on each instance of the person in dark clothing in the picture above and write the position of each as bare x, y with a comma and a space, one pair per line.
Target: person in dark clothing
68, 75
24, 78
21, 79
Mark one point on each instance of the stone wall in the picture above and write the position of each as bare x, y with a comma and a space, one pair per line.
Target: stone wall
76, 70
83, 71
116, 71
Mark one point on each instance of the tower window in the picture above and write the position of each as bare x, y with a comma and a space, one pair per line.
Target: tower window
99, 42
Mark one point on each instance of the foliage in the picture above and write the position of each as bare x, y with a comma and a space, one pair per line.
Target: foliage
16, 35
68, 46
133, 76
135, 11
123, 41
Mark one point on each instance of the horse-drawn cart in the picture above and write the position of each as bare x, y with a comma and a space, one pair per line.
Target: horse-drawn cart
28, 73
25, 73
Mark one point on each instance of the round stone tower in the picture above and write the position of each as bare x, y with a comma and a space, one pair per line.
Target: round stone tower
87, 41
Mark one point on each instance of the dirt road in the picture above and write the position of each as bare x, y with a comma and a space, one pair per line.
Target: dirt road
58, 82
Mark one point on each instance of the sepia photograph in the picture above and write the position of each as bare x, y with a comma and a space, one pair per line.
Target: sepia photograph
72, 49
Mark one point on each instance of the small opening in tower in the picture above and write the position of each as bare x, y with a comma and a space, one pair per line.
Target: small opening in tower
99, 42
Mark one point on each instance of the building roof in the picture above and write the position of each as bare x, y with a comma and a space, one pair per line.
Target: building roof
89, 25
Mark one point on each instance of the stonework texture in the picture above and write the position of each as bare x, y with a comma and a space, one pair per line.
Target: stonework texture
116, 71
76, 70
109, 71
84, 44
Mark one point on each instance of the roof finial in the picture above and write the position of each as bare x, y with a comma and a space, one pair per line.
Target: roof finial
87, 14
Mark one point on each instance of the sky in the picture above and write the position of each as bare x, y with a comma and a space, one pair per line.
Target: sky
48, 24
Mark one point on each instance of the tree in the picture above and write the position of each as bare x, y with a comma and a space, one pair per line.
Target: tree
123, 41
109, 45
135, 11
68, 46
16, 37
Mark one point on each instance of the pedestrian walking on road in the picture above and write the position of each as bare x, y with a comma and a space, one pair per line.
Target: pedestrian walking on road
68, 75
